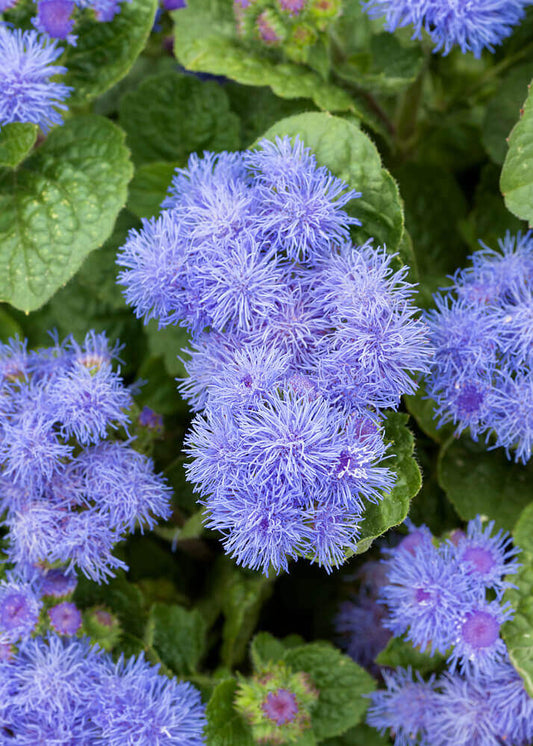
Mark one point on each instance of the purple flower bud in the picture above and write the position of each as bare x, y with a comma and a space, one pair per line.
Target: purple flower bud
57, 584
150, 419
65, 618
19, 611
54, 18
174, 4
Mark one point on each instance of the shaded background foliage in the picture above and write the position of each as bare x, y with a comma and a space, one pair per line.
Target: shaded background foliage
441, 149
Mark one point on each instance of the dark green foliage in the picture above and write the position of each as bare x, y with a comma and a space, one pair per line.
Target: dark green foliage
484, 482
106, 51
184, 116
16, 140
58, 206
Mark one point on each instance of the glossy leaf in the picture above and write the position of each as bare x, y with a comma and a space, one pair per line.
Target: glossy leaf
484, 482
184, 115
516, 180
16, 141
393, 508
341, 684
58, 206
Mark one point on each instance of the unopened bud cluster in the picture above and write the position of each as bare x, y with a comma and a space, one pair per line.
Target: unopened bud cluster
294, 25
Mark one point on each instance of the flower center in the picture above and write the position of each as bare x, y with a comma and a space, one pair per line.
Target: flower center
481, 629
481, 559
281, 706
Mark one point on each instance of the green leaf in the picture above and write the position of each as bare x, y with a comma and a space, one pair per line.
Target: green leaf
185, 115
91, 300
484, 482
9, 327
258, 108
490, 219
168, 343
393, 508
341, 684
265, 649
423, 410
306, 739
159, 392
388, 67
148, 188
178, 635
225, 727
503, 109
206, 41
516, 180
432, 214
106, 51
399, 652
517, 632
351, 155
244, 596
58, 206
361, 735
16, 141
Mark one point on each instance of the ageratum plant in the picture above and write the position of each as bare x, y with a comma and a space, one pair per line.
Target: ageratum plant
292, 506
300, 341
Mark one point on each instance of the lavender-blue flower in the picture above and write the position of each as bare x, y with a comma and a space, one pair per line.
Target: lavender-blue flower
27, 91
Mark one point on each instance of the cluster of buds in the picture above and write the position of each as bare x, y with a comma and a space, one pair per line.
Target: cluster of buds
293, 25
277, 703
42, 604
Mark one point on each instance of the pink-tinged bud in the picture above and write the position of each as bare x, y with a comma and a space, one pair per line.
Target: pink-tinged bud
102, 626
293, 7
277, 703
267, 29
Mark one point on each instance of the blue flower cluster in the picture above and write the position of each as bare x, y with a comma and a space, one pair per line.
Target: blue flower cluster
489, 709
69, 493
40, 600
28, 91
56, 690
448, 598
439, 596
56, 18
482, 330
359, 623
473, 26
299, 341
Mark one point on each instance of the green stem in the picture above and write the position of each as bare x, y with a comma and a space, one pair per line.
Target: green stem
407, 112
495, 70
